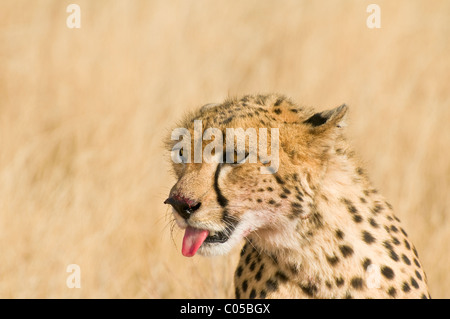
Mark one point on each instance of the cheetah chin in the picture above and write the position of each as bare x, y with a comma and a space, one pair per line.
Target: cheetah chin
210, 242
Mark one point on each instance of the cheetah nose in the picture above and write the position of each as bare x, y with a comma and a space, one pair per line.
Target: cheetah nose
185, 208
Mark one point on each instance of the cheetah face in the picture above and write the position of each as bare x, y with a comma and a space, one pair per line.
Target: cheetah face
226, 194
213, 210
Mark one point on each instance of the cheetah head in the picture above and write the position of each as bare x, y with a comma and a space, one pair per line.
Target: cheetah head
255, 187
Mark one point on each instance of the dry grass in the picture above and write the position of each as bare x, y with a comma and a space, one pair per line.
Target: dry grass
82, 114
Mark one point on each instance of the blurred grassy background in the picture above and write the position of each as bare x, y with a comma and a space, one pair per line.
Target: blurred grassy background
83, 112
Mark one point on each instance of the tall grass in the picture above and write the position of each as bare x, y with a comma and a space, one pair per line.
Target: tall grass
83, 112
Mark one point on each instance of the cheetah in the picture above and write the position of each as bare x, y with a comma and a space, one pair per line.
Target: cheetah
314, 227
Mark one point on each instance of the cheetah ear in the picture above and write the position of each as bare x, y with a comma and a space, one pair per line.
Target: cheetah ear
334, 117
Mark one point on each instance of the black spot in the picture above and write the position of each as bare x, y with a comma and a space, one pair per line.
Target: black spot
395, 240
253, 294
281, 276
332, 260
406, 287
357, 283
346, 250
418, 275
298, 191
245, 98
406, 260
296, 209
339, 234
416, 262
414, 283
376, 209
237, 293
407, 245
387, 272
283, 195
262, 294
373, 223
244, 249
415, 252
359, 171
278, 101
252, 266
270, 189
424, 296
367, 237
228, 120
391, 251
279, 179
366, 263
328, 284
244, 286
247, 259
392, 292
239, 271
260, 189
271, 202
286, 191
403, 232
394, 229
363, 200
293, 110
393, 255
348, 295
277, 111
350, 207
339, 281
357, 218
271, 285
300, 198
259, 273
296, 205
259, 200
309, 289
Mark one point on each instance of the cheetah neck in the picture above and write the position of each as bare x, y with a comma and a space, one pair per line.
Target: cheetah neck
311, 248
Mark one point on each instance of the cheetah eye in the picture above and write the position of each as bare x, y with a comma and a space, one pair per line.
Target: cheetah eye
178, 156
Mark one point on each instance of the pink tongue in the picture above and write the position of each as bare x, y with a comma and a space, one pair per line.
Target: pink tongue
192, 240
